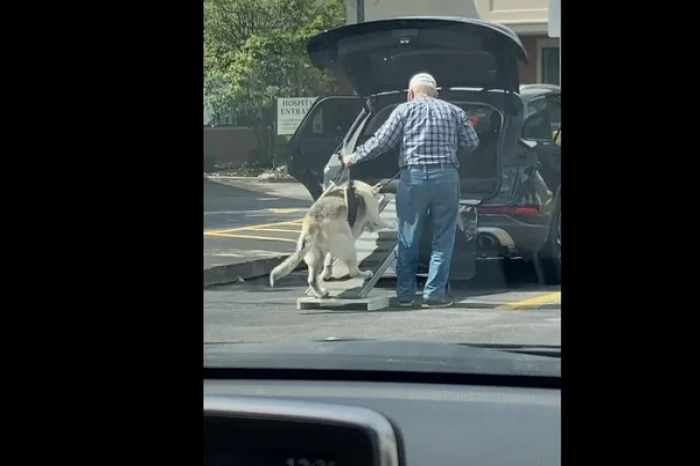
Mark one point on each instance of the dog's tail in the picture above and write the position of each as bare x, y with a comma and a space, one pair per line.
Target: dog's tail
306, 240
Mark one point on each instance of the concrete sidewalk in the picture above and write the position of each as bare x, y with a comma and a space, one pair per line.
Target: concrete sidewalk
241, 268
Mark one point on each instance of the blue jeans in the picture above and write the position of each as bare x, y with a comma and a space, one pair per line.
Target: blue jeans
433, 191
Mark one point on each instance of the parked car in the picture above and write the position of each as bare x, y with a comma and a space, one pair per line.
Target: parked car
476, 65
543, 125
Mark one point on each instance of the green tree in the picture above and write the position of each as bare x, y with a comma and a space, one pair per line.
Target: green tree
255, 52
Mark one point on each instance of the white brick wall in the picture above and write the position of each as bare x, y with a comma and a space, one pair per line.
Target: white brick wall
523, 16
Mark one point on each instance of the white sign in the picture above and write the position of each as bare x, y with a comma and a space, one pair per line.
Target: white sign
554, 23
290, 112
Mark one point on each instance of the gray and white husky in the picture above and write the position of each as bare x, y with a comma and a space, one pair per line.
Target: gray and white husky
326, 235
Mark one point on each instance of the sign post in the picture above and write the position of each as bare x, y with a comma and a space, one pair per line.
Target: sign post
360, 11
290, 112
554, 26
554, 23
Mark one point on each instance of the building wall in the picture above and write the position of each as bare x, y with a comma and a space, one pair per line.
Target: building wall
534, 44
227, 144
523, 16
383, 9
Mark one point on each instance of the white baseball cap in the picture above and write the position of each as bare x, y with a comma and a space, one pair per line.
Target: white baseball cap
422, 78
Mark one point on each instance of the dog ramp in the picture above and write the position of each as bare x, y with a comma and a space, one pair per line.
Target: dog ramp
376, 251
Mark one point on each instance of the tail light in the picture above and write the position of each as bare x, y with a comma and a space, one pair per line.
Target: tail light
508, 210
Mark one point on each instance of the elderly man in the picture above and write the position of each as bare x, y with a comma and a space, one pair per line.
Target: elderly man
430, 131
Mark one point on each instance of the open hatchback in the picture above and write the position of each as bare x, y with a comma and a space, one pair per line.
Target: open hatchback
475, 63
476, 66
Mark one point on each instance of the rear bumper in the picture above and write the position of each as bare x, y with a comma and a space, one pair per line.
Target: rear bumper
496, 236
505, 236
493, 241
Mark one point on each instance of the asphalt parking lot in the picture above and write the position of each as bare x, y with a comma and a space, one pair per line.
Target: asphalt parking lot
249, 220
245, 220
486, 311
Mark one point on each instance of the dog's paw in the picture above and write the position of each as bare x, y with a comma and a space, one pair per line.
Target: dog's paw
272, 281
320, 293
366, 274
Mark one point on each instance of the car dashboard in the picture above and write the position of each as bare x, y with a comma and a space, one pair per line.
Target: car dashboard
260, 422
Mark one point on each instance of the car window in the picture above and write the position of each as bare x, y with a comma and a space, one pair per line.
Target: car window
332, 120
542, 118
553, 109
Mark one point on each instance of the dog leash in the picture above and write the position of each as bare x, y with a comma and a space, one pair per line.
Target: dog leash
353, 202
339, 176
334, 182
382, 184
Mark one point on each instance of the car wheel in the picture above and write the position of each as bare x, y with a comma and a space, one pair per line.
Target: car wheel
518, 271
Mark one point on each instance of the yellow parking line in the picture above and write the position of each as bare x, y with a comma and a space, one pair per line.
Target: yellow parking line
276, 229
215, 233
250, 227
285, 211
548, 298
264, 238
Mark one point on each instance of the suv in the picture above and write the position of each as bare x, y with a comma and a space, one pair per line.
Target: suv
543, 127
506, 206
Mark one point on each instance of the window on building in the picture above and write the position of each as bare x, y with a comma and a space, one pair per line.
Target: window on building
550, 65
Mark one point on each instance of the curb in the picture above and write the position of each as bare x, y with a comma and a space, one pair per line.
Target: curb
503, 306
232, 273
253, 179
477, 305
531, 307
254, 268
549, 307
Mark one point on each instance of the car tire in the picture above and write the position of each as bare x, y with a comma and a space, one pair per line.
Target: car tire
513, 271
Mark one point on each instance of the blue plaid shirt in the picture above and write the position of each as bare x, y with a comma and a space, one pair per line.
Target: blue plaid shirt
430, 131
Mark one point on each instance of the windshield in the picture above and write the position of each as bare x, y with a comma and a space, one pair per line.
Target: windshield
317, 223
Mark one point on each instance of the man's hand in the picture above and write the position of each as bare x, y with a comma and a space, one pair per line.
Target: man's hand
347, 160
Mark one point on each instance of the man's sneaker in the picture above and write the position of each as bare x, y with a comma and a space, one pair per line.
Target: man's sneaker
436, 303
406, 303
